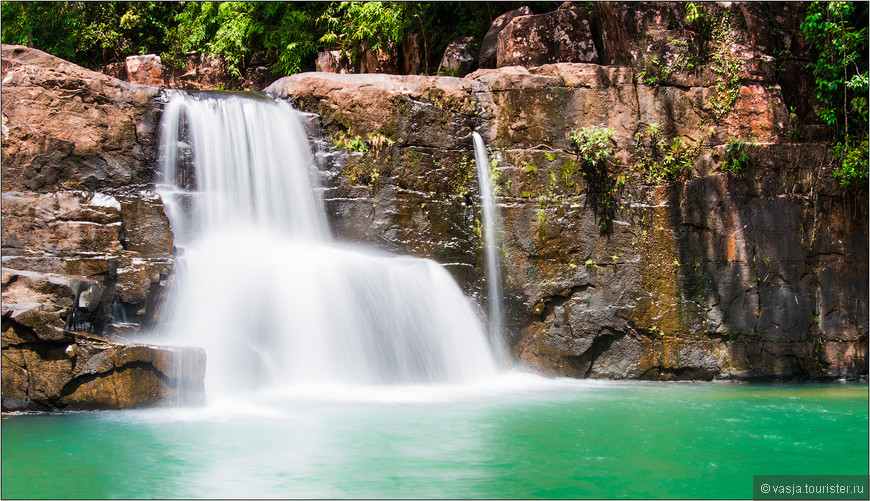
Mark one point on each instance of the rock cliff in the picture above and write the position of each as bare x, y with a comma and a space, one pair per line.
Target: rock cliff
677, 261
87, 248
701, 273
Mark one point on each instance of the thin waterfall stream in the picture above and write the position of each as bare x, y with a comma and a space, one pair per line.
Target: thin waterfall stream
265, 289
491, 231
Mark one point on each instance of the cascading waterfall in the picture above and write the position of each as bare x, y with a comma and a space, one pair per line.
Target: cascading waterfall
263, 287
491, 228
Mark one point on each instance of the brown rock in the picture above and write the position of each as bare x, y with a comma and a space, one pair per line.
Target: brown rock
146, 226
331, 61
563, 36
145, 70
612, 42
382, 60
412, 55
90, 374
489, 46
61, 223
71, 128
459, 57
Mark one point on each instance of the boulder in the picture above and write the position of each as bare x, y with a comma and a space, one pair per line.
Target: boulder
145, 70
489, 46
459, 57
70, 128
380, 60
563, 36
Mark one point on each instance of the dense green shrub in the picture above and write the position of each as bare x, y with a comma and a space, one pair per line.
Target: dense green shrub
662, 161
592, 144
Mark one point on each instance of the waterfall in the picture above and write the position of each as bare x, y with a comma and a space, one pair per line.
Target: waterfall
491, 227
262, 286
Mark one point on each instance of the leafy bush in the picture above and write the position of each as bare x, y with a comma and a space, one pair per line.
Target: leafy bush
592, 144
853, 163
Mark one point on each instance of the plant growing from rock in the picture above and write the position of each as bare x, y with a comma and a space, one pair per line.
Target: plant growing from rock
726, 65
592, 145
736, 155
662, 161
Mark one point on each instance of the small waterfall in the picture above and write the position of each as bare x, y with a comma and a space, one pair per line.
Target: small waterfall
491, 229
263, 287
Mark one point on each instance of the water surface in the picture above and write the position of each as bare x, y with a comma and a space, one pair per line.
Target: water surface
518, 437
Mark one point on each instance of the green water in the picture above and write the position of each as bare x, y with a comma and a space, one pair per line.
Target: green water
525, 438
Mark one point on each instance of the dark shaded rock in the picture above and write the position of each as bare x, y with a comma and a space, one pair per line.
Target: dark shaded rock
489, 46
331, 61
563, 36
459, 57
382, 60
413, 55
117, 70
612, 42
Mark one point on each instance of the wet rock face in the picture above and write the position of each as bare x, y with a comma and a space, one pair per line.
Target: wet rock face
76, 372
46, 366
716, 276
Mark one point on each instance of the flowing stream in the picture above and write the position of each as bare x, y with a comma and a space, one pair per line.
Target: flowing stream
262, 285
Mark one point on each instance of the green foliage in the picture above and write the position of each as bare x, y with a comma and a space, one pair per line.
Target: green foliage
592, 144
853, 162
355, 26
236, 30
289, 33
662, 161
693, 13
593, 149
725, 65
89, 33
838, 30
354, 144
463, 177
737, 156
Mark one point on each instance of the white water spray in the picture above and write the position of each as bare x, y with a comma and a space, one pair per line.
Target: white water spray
491, 229
263, 288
